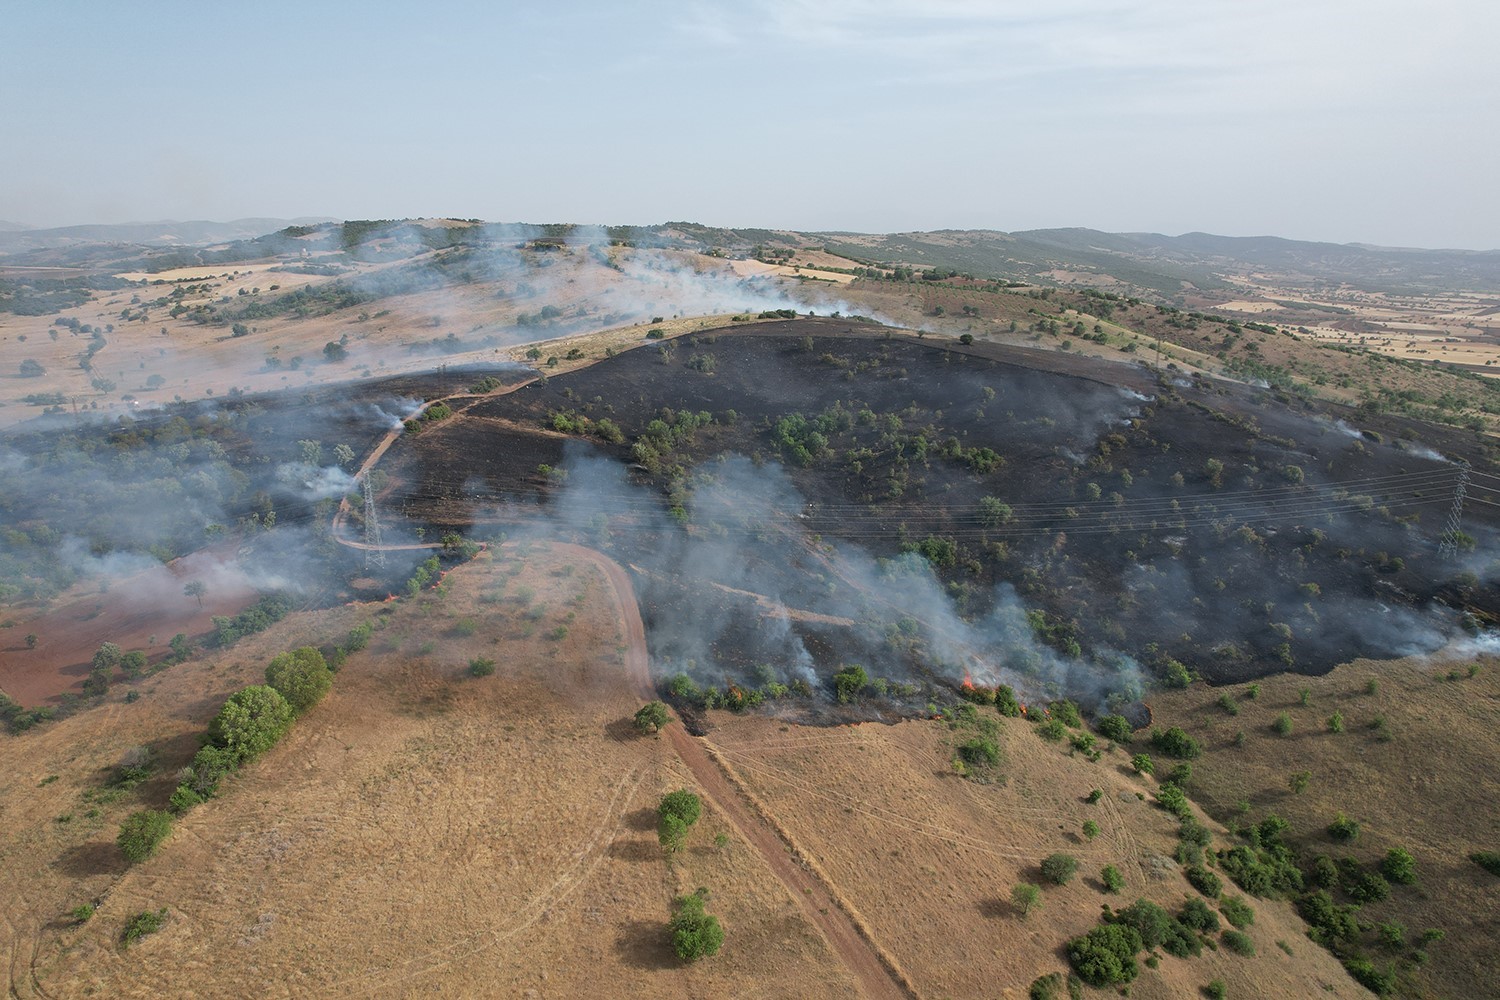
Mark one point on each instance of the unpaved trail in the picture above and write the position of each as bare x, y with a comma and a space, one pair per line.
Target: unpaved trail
874, 972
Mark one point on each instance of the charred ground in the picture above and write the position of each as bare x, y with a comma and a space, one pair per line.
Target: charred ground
1234, 530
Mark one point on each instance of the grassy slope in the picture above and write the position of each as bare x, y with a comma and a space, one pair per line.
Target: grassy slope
1426, 788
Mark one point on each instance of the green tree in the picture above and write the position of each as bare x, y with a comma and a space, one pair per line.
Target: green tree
343, 454
1114, 727
1105, 956
675, 816
142, 833
695, 933
251, 722
1025, 897
107, 657
1344, 829
849, 682
1059, 868
651, 717
301, 676
993, 512
1399, 866
133, 664
195, 589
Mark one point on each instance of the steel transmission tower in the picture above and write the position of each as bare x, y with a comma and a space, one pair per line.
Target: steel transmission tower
1448, 546
374, 550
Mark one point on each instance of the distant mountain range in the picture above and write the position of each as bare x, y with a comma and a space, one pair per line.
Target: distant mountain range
18, 238
1149, 264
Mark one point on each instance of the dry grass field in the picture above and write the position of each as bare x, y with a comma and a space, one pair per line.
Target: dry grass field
1413, 765
421, 830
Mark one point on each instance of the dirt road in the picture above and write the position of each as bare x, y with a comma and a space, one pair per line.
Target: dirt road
875, 972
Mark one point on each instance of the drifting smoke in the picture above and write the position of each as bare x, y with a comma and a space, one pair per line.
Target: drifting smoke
314, 483
746, 593
392, 414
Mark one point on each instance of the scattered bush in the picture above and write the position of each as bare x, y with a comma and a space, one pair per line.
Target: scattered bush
1142, 763
1488, 860
1215, 990
142, 833
251, 722
1381, 982
849, 682
1204, 881
1059, 868
1199, 916
1105, 956
1237, 912
676, 814
1025, 897
1112, 879
481, 666
141, 924
1343, 829
1239, 943
651, 717
1175, 743
1114, 727
1005, 701
1283, 725
1399, 866
301, 676
695, 933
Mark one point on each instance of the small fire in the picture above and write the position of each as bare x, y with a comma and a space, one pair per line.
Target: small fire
1023, 708
968, 680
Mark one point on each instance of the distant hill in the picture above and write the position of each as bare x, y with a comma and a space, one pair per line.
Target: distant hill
16, 238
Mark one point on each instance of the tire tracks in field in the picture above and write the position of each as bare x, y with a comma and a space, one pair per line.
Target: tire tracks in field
874, 971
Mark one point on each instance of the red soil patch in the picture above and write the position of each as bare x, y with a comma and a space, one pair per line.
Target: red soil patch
130, 614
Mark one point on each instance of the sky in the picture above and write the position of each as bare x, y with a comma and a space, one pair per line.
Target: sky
1342, 120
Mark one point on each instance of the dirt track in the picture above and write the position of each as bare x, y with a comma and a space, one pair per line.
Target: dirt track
874, 971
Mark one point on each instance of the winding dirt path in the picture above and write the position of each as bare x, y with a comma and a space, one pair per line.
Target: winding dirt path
875, 972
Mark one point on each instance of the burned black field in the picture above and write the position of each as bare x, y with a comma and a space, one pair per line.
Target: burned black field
798, 496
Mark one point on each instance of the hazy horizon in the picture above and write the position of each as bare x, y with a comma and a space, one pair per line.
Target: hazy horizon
1339, 122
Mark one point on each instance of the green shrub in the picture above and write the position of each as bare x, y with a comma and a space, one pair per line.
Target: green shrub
1381, 982
1005, 701
1066, 712
1228, 704
481, 666
1204, 881
1052, 731
849, 682
1112, 879
1343, 829
81, 914
1199, 916
1142, 763
695, 933
1025, 897
1114, 727
301, 676
1105, 956
1239, 943
183, 798
251, 722
1399, 866
1175, 743
1282, 725
651, 717
142, 833
141, 924
979, 752
1215, 990
1488, 860
1370, 887
1059, 868
1090, 829
1237, 912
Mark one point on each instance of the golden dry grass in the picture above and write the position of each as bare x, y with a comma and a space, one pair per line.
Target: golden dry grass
419, 830
1428, 787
